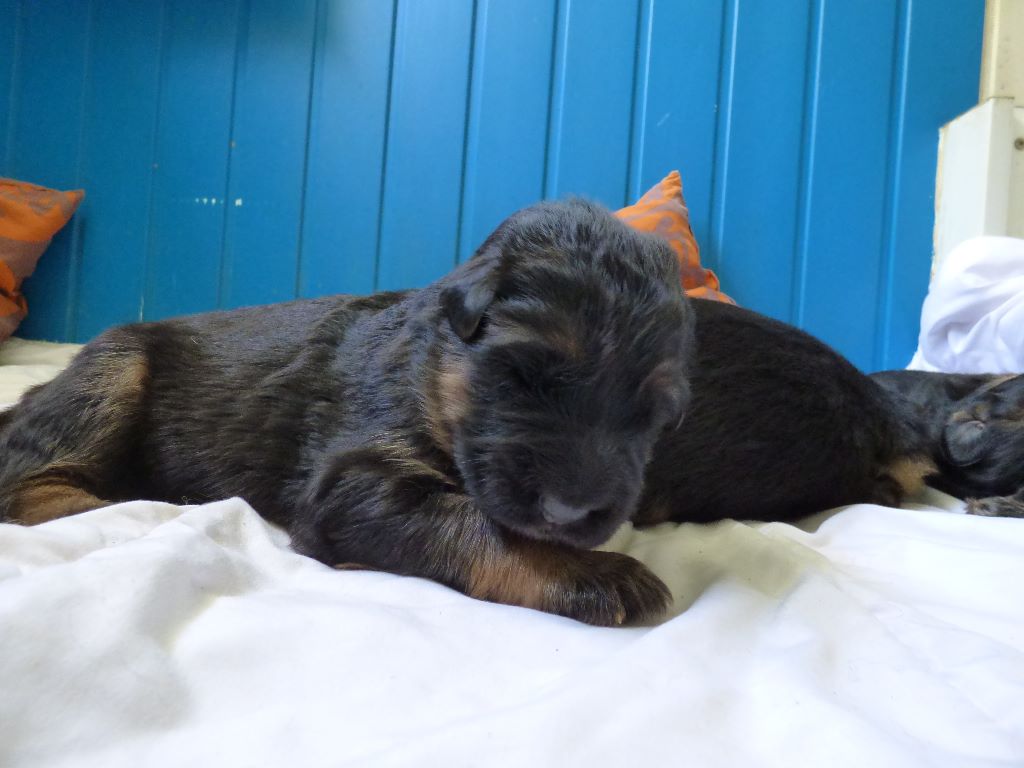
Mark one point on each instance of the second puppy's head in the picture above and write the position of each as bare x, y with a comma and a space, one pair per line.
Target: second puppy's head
983, 438
573, 340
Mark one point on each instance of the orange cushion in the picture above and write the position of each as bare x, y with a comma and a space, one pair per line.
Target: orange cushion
29, 218
662, 211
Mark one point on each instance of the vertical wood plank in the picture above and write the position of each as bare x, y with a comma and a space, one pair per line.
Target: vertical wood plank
346, 147
117, 144
9, 46
423, 178
760, 139
593, 101
187, 216
675, 114
933, 87
845, 204
507, 134
45, 147
268, 153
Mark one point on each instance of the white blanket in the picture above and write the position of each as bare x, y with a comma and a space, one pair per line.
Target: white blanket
973, 317
147, 634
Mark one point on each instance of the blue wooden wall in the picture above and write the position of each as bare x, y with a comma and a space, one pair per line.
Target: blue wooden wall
245, 151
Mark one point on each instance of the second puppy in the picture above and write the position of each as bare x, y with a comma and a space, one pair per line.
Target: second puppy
779, 426
975, 429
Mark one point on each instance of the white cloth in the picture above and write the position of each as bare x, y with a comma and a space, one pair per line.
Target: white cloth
972, 320
24, 363
149, 634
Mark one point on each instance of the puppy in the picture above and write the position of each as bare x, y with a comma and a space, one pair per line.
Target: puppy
484, 432
975, 428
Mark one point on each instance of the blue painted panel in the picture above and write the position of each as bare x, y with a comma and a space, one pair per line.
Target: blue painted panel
378, 142
760, 139
675, 103
44, 147
846, 193
264, 202
346, 148
933, 88
187, 219
423, 180
117, 164
508, 120
592, 101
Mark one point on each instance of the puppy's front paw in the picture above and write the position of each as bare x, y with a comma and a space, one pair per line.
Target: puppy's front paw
606, 589
602, 588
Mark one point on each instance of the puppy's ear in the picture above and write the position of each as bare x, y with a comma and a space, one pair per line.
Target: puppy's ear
669, 389
966, 442
469, 292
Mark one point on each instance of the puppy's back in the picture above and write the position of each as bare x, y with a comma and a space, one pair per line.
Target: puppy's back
780, 426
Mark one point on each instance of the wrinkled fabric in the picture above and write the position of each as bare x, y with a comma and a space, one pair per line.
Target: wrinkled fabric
150, 634
972, 320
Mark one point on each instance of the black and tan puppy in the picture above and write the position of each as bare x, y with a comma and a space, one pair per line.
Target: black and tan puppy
975, 428
484, 432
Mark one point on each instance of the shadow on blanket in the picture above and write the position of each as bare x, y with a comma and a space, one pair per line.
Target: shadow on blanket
766, 558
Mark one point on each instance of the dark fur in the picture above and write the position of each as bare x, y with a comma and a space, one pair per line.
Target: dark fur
779, 426
975, 428
483, 431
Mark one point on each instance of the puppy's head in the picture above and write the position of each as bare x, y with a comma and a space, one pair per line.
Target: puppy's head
984, 437
576, 341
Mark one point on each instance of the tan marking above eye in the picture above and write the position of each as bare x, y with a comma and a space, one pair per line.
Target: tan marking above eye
558, 338
980, 412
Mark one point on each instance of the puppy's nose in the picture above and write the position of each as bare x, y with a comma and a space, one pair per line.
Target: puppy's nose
560, 513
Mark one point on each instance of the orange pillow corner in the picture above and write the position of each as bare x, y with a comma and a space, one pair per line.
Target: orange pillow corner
662, 211
30, 215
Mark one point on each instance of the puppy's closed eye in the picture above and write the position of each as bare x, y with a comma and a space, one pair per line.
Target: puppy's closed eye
530, 364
